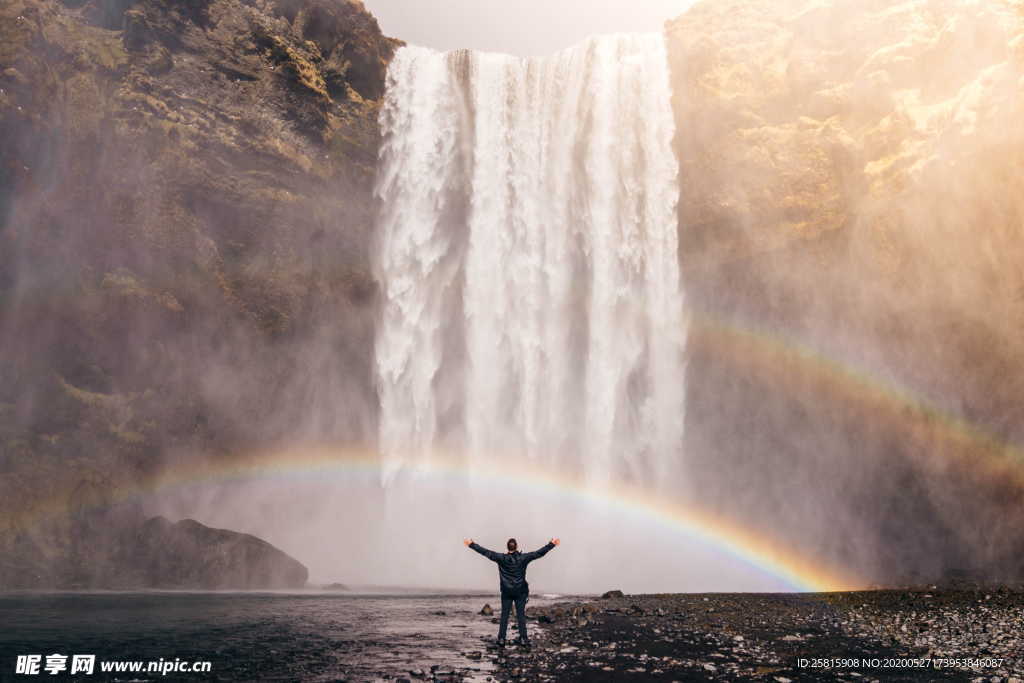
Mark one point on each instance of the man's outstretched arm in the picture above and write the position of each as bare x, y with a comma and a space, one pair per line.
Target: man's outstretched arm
489, 554
530, 557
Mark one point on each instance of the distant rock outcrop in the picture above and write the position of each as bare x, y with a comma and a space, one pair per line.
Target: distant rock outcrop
191, 555
336, 587
114, 549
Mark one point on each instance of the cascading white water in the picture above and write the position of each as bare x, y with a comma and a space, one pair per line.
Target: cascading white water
528, 255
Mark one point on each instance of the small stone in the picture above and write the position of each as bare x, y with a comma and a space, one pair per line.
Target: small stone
487, 610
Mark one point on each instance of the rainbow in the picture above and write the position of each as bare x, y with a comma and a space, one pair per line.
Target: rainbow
768, 556
751, 351
765, 555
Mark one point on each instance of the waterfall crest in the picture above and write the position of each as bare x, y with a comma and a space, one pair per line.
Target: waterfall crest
527, 252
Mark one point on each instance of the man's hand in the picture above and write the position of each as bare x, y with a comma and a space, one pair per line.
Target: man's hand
555, 541
467, 541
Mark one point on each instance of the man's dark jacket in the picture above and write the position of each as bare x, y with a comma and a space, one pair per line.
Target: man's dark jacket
512, 567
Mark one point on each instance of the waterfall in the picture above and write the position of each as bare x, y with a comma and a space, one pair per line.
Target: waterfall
527, 252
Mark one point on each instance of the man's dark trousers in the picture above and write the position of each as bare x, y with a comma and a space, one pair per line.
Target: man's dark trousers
506, 606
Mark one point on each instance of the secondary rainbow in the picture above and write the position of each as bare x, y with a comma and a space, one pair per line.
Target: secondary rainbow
773, 358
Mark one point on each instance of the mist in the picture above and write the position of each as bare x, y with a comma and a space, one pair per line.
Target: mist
809, 329
351, 530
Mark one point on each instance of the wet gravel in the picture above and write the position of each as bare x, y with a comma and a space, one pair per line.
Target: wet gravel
911, 635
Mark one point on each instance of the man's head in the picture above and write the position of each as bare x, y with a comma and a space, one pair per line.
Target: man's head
512, 545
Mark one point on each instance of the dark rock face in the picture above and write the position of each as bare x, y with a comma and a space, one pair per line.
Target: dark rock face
185, 216
191, 555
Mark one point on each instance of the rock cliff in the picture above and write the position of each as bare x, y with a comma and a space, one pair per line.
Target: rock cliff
851, 224
185, 212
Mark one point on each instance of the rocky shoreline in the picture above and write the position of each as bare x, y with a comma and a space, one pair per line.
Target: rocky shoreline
882, 635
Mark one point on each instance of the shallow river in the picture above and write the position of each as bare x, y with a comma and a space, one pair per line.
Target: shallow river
250, 636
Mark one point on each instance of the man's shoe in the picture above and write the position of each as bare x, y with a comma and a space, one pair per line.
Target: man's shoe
501, 642
525, 644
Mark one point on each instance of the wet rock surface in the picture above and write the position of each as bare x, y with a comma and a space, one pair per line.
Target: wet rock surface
776, 637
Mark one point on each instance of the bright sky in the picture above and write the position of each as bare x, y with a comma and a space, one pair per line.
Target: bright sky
523, 27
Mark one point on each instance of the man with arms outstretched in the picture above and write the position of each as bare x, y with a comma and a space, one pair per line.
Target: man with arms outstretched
512, 574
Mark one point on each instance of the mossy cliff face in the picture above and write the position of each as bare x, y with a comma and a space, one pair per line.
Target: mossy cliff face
851, 220
185, 213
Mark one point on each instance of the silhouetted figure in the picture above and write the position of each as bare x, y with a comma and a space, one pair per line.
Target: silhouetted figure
514, 588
